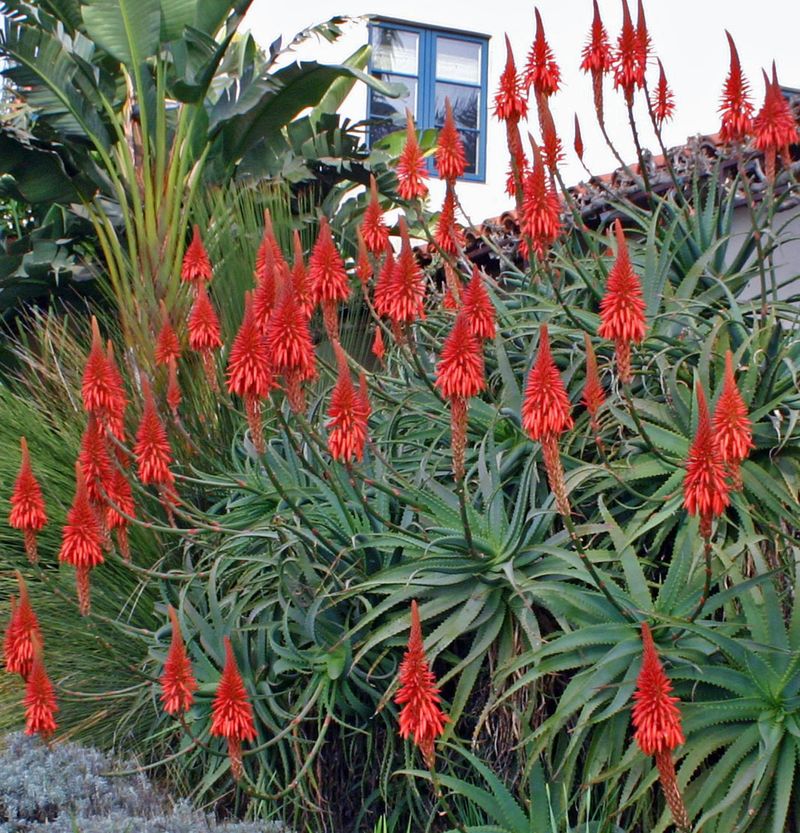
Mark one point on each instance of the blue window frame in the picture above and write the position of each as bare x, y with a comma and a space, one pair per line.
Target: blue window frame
432, 64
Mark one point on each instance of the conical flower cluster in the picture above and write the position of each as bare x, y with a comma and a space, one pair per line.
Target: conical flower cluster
449, 237
662, 101
329, 284
27, 504
196, 267
774, 127
736, 108
705, 492
290, 346
249, 371
177, 680
99, 388
40, 699
167, 344
510, 104
622, 318
232, 713
541, 71
450, 158
374, 230
546, 413
81, 542
22, 634
411, 171
629, 58
541, 212
349, 414
152, 450
478, 307
421, 717
205, 334
731, 425
657, 725
405, 297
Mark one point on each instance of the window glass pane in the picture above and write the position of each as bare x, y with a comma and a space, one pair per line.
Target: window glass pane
458, 60
392, 110
465, 102
394, 50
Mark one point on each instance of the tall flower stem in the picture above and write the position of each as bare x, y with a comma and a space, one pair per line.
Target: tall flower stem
590, 568
635, 131
706, 578
626, 393
672, 793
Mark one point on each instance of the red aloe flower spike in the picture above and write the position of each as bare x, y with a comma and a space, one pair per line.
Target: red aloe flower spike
348, 426
22, 632
196, 265
454, 288
152, 450
177, 680
81, 542
421, 716
205, 333
406, 295
510, 104
546, 415
363, 264
662, 101
736, 107
645, 44
731, 425
541, 71
302, 286
114, 417
121, 501
596, 56
597, 59
374, 231
629, 69
174, 396
27, 504
451, 159
167, 343
449, 237
269, 257
593, 394
478, 307
383, 285
411, 169
290, 346
378, 347
264, 296
232, 713
328, 278
541, 211
449, 302
98, 398
460, 375
705, 492
249, 371
95, 462
657, 724
622, 318
774, 128
40, 699
578, 142
552, 150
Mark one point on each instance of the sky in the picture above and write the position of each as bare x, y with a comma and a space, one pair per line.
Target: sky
688, 36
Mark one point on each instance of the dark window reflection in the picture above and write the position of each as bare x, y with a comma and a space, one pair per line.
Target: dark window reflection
465, 102
391, 111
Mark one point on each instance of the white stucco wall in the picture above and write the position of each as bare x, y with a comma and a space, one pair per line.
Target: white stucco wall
687, 35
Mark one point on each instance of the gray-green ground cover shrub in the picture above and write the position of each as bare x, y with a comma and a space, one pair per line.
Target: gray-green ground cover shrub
72, 789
